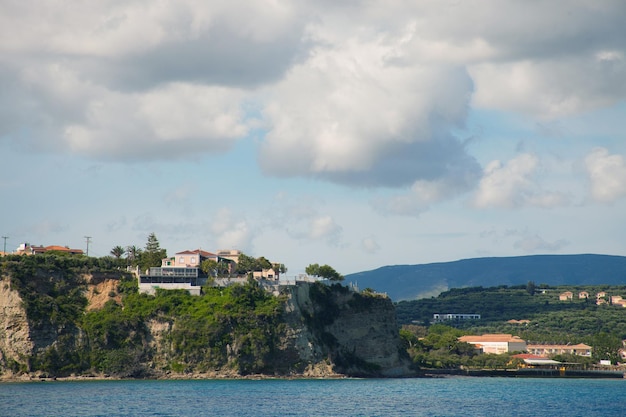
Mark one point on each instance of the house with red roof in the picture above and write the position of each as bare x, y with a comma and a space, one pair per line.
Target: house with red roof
496, 343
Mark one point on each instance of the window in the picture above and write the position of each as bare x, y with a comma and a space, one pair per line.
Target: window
192, 260
181, 260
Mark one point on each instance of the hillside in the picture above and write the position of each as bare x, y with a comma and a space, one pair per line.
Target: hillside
538, 315
76, 316
409, 282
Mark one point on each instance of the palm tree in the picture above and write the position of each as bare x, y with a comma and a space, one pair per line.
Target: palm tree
117, 251
132, 253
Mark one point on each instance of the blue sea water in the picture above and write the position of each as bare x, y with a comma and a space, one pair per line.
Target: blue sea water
459, 396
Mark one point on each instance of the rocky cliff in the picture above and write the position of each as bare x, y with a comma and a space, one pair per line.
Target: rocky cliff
349, 332
57, 323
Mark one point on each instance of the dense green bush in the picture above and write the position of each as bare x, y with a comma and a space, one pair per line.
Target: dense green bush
237, 326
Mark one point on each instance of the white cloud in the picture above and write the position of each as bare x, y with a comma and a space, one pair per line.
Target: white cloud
607, 174
324, 228
350, 113
231, 232
358, 93
536, 244
370, 245
514, 185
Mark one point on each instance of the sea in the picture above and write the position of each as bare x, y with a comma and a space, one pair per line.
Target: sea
450, 396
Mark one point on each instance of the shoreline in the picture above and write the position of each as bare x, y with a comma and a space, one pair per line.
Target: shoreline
421, 374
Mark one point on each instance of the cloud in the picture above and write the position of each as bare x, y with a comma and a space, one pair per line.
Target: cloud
370, 245
352, 114
524, 240
513, 185
324, 228
607, 175
232, 232
357, 93
536, 244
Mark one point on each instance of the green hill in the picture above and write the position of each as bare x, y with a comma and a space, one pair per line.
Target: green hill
550, 319
409, 282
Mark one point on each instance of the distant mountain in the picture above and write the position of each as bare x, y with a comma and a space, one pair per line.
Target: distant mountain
409, 282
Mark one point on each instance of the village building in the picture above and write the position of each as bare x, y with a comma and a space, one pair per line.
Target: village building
547, 350
28, 249
496, 343
437, 318
184, 271
567, 295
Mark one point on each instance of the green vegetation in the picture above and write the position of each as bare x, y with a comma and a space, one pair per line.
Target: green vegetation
551, 320
238, 321
323, 271
236, 327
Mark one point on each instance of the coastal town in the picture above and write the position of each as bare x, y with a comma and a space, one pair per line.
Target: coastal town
197, 269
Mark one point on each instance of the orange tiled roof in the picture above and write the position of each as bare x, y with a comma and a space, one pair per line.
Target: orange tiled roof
486, 338
197, 252
578, 346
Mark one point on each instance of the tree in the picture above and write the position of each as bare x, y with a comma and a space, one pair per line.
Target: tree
132, 254
281, 268
323, 271
313, 269
531, 288
214, 268
153, 254
117, 252
247, 264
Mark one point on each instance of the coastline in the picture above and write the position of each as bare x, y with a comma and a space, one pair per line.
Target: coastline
424, 373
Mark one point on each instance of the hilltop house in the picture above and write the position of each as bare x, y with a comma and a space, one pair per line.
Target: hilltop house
583, 294
550, 350
567, 295
496, 343
184, 271
179, 272
27, 249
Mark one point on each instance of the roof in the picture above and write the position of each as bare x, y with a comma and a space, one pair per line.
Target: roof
486, 338
543, 361
547, 346
197, 252
528, 356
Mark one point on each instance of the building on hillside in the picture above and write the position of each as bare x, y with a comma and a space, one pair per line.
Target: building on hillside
269, 274
28, 249
188, 259
496, 343
520, 322
536, 361
547, 350
601, 294
583, 294
231, 254
184, 271
179, 272
567, 295
438, 318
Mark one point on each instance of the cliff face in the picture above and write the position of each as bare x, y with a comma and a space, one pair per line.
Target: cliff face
15, 341
322, 331
352, 333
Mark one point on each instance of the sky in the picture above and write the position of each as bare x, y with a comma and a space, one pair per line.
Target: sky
351, 133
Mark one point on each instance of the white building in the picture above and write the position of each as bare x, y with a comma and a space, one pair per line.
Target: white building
496, 343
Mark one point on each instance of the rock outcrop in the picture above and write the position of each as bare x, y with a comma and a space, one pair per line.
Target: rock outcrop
323, 331
15, 341
349, 332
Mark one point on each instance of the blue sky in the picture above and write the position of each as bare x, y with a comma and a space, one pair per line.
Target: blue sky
356, 134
